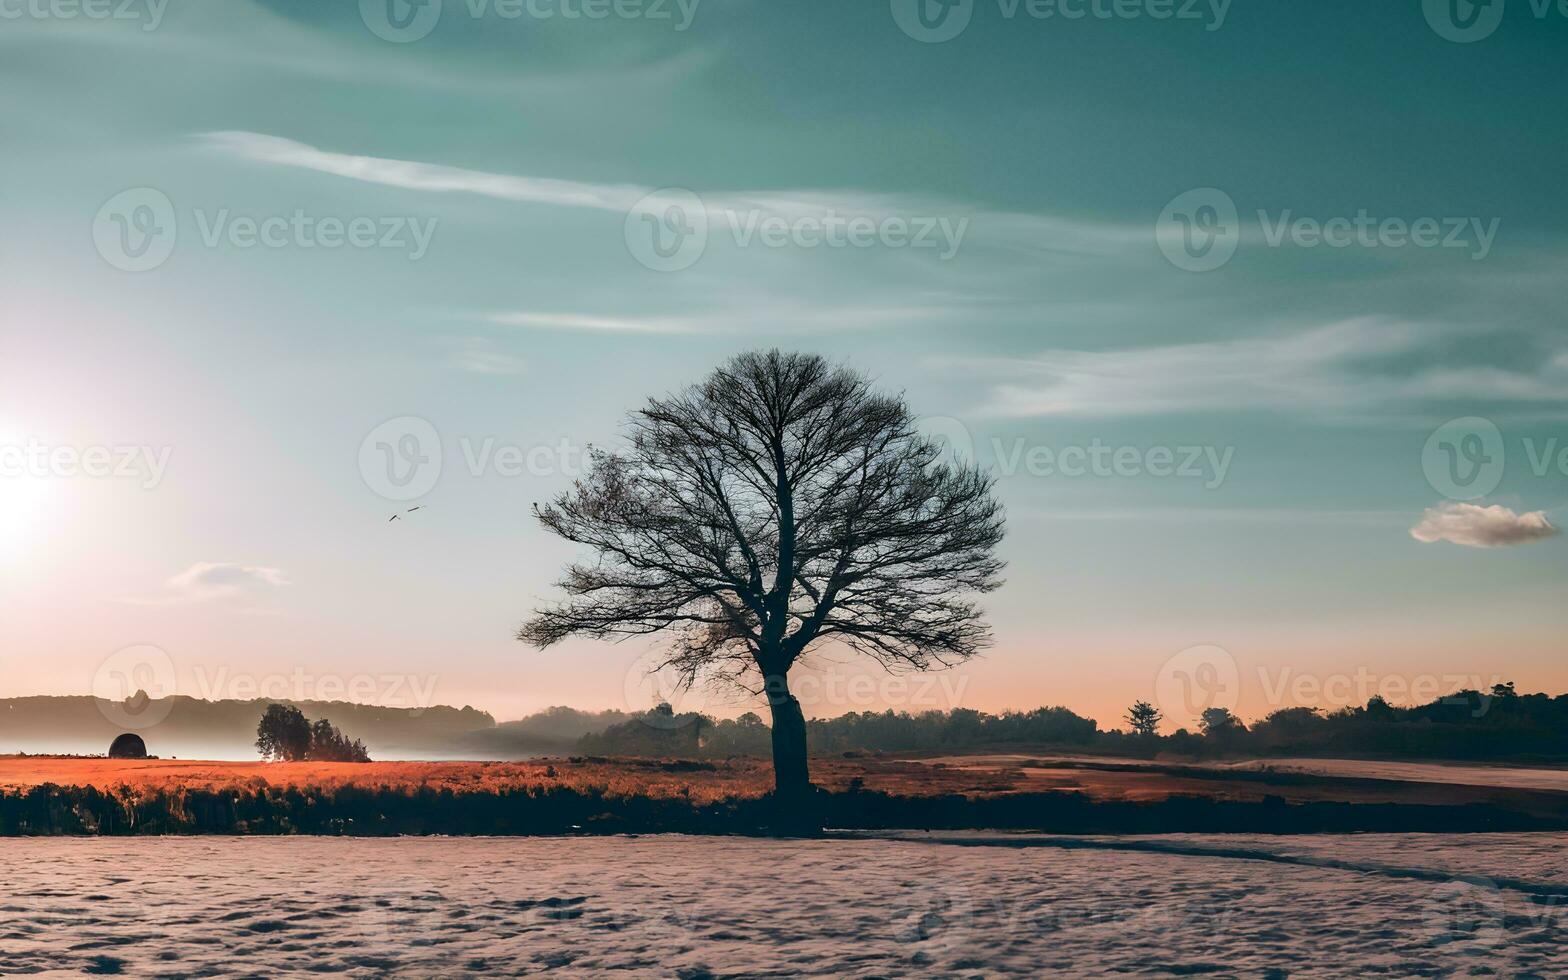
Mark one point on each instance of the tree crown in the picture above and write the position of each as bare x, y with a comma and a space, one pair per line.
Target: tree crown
779, 503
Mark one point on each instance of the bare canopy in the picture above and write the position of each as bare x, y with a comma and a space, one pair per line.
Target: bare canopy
778, 504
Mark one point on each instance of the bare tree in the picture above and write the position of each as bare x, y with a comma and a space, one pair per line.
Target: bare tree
780, 504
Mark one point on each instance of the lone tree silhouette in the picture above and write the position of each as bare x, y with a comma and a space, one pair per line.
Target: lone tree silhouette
780, 504
1145, 719
283, 734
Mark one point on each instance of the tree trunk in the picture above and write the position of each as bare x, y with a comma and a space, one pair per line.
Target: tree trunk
792, 789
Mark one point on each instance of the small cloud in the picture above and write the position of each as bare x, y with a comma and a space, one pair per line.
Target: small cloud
1475, 526
478, 357
208, 580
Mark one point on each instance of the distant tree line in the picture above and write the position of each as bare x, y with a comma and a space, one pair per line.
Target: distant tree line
286, 735
1499, 723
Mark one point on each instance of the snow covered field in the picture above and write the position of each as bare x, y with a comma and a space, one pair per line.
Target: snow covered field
958, 904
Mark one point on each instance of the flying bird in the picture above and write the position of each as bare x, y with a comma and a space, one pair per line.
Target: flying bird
409, 511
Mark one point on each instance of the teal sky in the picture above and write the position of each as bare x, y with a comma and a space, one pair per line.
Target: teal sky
1319, 373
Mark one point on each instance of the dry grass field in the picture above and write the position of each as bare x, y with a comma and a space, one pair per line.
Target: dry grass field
701, 782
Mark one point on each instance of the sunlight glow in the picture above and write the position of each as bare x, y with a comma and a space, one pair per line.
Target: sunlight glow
22, 499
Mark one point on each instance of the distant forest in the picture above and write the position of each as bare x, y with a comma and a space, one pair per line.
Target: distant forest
194, 728
1468, 725
1471, 725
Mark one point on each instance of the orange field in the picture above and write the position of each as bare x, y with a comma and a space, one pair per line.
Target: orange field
641, 777
742, 778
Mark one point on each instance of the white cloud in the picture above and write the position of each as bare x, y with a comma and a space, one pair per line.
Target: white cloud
207, 580
828, 317
479, 358
1034, 232
427, 176
1334, 368
1475, 526
612, 324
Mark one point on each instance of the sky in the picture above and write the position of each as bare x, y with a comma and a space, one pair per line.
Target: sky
1255, 310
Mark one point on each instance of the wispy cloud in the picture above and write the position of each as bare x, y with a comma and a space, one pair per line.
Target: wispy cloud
827, 317
206, 581
479, 357
612, 324
1035, 232
1475, 526
430, 177
1334, 368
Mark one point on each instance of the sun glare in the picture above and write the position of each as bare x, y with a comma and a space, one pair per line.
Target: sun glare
22, 496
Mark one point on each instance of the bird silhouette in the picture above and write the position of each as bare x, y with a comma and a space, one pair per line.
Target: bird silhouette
409, 511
